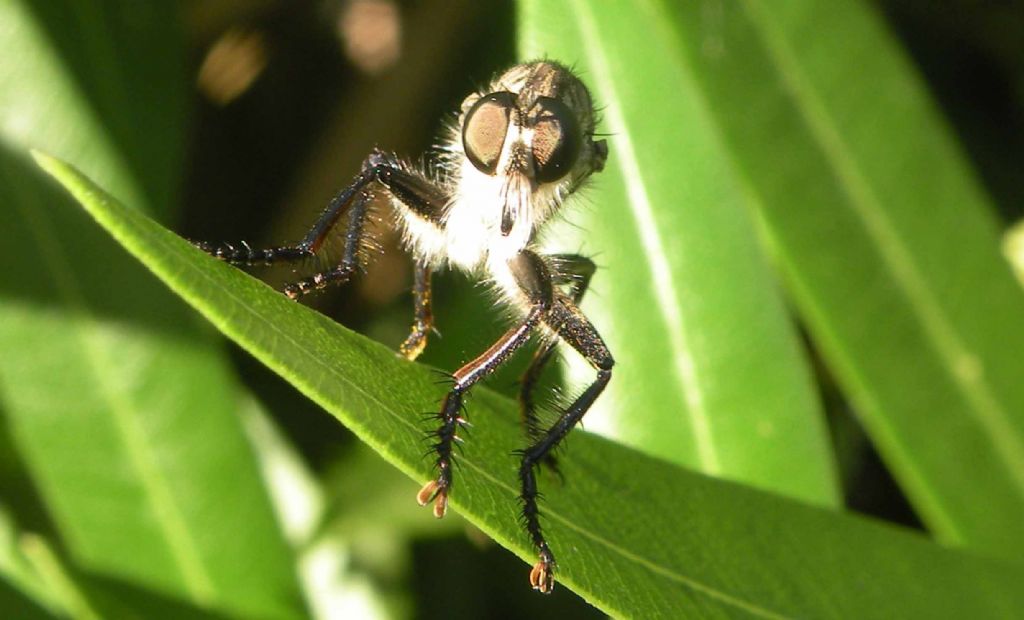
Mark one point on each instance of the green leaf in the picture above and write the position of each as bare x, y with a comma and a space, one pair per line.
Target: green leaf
299, 501
636, 536
710, 372
122, 408
125, 416
888, 244
101, 83
18, 575
36, 582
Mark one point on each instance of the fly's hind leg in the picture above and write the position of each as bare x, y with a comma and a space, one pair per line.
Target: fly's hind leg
424, 200
244, 254
353, 201
349, 264
575, 271
533, 277
565, 319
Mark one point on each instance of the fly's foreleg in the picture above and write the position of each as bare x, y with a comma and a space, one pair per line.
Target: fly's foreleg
533, 277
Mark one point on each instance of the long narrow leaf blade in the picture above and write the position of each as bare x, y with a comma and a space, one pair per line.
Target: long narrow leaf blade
888, 243
636, 536
710, 373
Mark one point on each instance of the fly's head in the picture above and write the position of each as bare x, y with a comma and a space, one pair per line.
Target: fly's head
534, 132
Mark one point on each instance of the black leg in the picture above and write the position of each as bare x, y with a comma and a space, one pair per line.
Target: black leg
349, 264
423, 320
451, 419
533, 276
244, 254
425, 199
576, 271
570, 325
310, 244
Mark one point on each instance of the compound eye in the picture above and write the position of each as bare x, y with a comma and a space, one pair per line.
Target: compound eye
556, 139
483, 132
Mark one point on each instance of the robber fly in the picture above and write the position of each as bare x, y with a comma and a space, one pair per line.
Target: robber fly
516, 152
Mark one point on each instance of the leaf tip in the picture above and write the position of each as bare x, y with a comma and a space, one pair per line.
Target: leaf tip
69, 177
43, 160
51, 165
